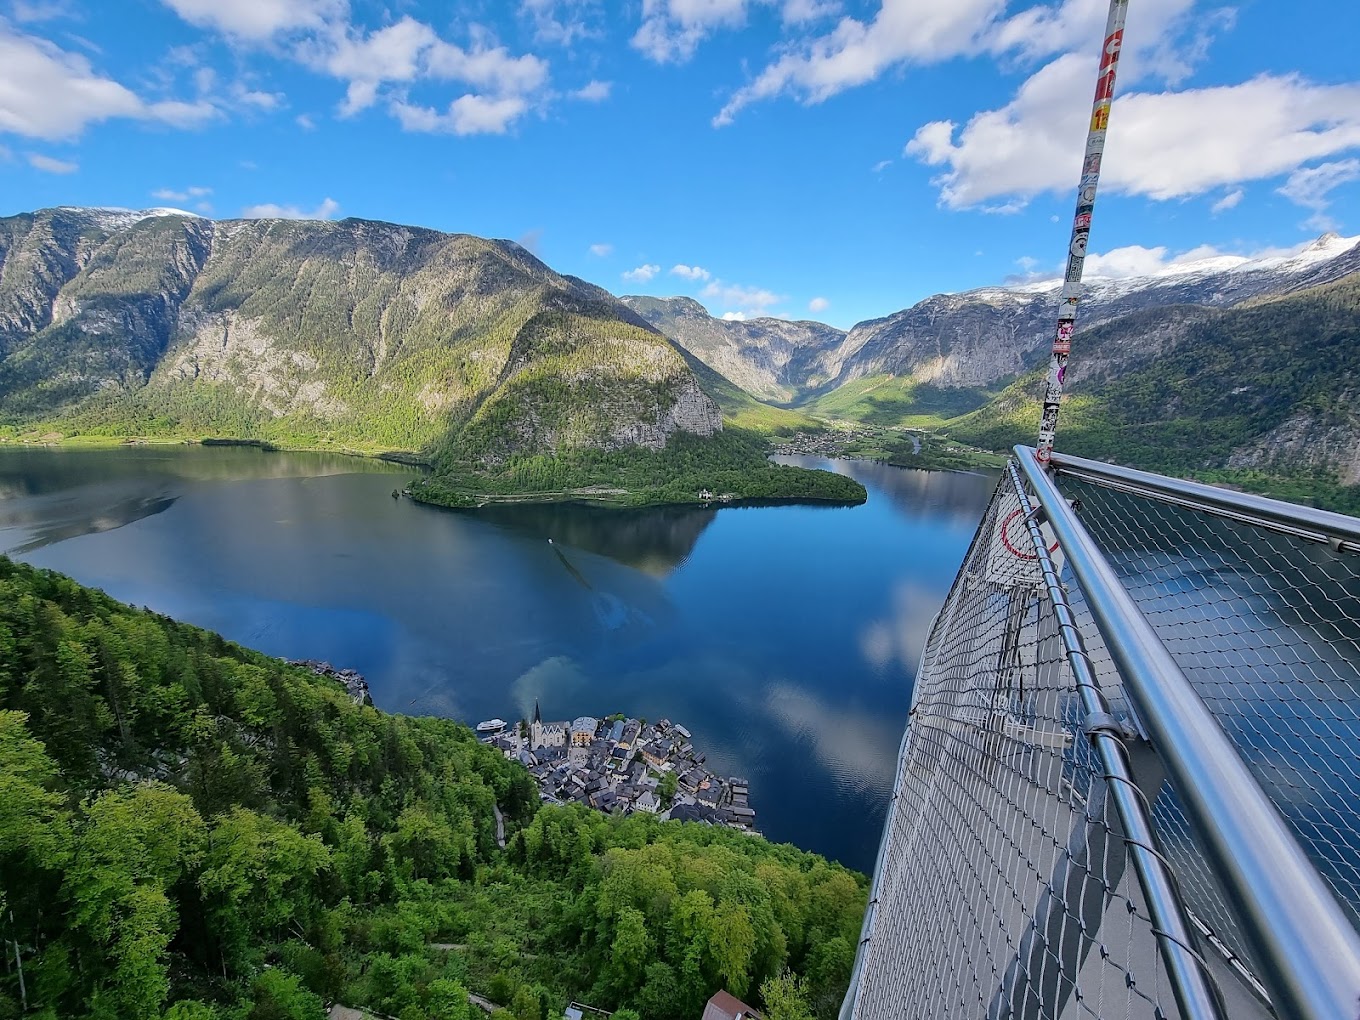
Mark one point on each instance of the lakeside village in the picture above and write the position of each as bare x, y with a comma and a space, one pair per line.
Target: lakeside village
616, 765
619, 765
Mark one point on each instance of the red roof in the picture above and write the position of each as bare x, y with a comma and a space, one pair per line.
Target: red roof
727, 1007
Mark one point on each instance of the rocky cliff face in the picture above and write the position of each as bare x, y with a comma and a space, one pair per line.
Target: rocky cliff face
359, 331
772, 359
981, 337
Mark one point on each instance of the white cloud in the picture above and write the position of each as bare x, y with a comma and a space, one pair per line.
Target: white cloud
258, 20
856, 52
734, 316
269, 211
47, 92
601, 250
796, 12
642, 274
1221, 136
691, 272
880, 166
408, 51
593, 92
1229, 201
172, 195
1137, 260
25, 11
818, 304
393, 53
256, 99
1311, 187
49, 165
488, 67
466, 115
671, 30
562, 22
753, 301
305, 121
923, 32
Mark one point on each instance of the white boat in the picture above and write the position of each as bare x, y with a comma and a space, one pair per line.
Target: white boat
491, 726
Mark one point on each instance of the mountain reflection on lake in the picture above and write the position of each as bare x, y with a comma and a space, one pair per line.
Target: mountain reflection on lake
785, 638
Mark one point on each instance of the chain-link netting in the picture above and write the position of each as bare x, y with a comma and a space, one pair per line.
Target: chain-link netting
1266, 626
1004, 888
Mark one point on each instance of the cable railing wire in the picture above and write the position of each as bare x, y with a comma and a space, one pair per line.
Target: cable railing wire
1006, 885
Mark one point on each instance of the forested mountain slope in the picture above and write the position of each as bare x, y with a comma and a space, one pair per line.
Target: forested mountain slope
355, 332
1268, 388
192, 830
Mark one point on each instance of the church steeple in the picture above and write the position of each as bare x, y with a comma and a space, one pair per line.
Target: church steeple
537, 717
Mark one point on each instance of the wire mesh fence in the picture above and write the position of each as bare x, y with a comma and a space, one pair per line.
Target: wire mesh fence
1266, 626
1004, 887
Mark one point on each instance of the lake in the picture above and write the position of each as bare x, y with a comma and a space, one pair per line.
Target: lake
785, 638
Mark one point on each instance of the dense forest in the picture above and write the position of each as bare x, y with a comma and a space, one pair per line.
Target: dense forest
192, 830
731, 463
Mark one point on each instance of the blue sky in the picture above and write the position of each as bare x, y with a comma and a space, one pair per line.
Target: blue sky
831, 159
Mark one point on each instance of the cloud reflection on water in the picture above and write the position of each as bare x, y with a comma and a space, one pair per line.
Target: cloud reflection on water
858, 749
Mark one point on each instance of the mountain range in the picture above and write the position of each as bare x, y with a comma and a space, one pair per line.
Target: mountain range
380, 336
1245, 369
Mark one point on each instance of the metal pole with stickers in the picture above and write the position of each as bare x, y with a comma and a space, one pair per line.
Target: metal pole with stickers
1081, 227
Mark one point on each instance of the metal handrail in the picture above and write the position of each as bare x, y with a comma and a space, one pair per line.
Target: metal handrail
1306, 522
1195, 992
1309, 952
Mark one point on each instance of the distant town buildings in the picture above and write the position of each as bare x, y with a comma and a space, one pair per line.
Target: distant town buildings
618, 766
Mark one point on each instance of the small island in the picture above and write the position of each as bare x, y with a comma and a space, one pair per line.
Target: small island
728, 469
621, 766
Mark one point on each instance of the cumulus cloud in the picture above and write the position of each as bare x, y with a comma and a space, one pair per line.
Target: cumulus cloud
49, 165
410, 50
923, 32
734, 316
270, 211
750, 301
1221, 136
601, 250
690, 272
467, 115
593, 92
380, 65
818, 304
642, 274
856, 52
672, 30
1311, 187
47, 92
257, 19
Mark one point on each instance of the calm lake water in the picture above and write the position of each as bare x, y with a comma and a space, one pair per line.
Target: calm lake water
785, 638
